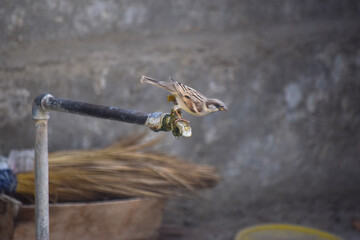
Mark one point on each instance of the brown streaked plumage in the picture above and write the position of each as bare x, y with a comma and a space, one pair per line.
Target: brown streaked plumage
187, 98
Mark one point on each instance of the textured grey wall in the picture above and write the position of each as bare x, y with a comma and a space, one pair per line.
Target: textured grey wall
289, 72
52, 19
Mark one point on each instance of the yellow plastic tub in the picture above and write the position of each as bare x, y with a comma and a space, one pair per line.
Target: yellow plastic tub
283, 232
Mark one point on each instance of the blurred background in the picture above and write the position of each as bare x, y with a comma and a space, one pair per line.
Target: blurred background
288, 149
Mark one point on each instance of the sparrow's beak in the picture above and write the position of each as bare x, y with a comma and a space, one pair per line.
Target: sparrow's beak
223, 108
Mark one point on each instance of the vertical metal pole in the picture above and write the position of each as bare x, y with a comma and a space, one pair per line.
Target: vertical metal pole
41, 180
41, 117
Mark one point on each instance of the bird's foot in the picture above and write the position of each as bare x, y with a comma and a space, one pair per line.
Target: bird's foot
181, 119
178, 125
179, 116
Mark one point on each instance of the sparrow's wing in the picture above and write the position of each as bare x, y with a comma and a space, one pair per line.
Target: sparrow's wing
166, 85
193, 99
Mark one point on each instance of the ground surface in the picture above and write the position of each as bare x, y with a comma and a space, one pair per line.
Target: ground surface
334, 215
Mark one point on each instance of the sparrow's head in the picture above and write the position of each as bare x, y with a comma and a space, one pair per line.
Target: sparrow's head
214, 105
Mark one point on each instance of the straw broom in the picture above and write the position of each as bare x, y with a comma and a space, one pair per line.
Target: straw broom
121, 170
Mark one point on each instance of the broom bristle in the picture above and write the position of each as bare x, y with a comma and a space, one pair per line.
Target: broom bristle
118, 171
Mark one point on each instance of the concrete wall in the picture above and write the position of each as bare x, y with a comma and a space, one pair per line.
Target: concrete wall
26, 21
288, 70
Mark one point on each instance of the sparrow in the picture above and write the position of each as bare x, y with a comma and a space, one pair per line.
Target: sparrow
187, 98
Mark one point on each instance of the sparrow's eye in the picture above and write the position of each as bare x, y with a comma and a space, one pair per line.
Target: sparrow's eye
187, 96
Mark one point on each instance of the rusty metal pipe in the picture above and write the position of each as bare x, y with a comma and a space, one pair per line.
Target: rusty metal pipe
41, 180
113, 113
41, 170
40, 113
155, 121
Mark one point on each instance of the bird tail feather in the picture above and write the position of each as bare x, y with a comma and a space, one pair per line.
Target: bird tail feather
152, 81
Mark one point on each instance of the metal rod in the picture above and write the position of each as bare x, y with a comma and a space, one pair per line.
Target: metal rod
41, 169
113, 113
41, 180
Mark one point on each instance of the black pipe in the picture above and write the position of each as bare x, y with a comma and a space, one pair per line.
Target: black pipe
49, 102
